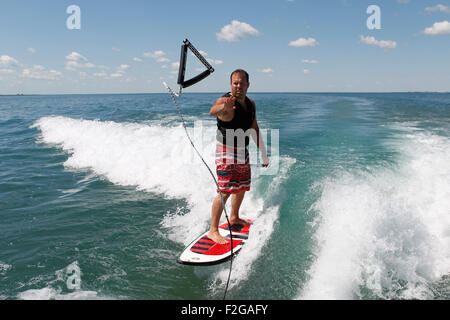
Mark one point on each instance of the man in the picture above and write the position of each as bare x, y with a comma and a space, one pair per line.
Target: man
236, 118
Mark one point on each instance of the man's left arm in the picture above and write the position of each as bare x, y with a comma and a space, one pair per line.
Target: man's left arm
257, 138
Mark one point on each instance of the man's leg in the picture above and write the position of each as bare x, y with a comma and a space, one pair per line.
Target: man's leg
236, 201
216, 213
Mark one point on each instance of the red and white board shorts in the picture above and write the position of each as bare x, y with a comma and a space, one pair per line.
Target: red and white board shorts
233, 168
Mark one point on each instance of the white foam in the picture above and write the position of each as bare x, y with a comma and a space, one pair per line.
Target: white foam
387, 231
58, 289
149, 156
55, 294
4, 267
159, 158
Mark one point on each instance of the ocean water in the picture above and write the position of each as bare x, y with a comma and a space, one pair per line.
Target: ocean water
100, 193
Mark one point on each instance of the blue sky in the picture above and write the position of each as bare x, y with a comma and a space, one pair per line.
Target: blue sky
296, 46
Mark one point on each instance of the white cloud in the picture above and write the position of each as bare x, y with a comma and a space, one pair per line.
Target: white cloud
135, 59
122, 68
127, 80
302, 42
438, 7
205, 54
119, 73
7, 61
438, 28
100, 74
38, 67
39, 72
115, 49
7, 71
236, 31
385, 44
158, 55
77, 61
310, 61
36, 72
212, 61
306, 71
31, 50
75, 56
266, 70
74, 65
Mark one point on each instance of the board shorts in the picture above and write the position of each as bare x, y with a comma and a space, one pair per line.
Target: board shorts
233, 168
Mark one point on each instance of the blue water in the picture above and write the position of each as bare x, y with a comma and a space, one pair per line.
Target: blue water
100, 193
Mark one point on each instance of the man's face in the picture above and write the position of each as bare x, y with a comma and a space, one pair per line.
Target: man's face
239, 85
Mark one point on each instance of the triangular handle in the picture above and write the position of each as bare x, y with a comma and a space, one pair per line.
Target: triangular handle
182, 70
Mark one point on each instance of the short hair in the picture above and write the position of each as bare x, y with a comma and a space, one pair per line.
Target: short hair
240, 71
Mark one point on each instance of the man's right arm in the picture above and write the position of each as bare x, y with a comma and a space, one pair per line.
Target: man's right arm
222, 106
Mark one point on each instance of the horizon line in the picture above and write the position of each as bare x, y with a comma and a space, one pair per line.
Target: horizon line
215, 92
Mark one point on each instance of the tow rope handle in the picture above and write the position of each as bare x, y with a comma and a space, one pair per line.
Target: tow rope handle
184, 84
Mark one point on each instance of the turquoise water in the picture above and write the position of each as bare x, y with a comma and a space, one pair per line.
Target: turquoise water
100, 193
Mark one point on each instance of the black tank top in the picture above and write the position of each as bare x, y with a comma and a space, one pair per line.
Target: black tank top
242, 120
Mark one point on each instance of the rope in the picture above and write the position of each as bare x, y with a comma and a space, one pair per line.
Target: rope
173, 94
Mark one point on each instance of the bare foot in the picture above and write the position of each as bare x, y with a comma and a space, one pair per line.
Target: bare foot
216, 237
240, 221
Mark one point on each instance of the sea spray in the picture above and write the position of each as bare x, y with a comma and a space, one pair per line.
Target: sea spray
385, 233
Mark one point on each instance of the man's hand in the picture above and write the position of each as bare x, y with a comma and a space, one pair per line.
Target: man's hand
229, 104
265, 161
223, 106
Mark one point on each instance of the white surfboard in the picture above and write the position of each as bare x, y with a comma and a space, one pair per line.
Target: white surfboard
204, 251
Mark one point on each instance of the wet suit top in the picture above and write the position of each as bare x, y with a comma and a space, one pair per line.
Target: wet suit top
242, 120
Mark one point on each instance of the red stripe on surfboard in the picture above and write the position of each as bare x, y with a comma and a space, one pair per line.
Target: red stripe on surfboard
218, 249
202, 245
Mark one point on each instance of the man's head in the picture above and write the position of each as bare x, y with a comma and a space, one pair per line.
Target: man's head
239, 83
